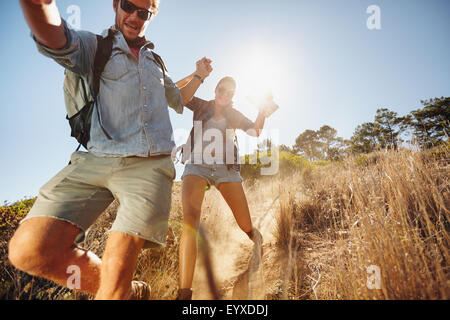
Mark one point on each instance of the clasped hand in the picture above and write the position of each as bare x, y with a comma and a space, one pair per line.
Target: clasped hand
203, 67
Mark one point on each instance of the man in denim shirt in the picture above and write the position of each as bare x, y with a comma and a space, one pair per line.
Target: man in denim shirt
132, 165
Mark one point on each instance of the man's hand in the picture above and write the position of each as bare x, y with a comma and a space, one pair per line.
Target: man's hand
45, 22
204, 68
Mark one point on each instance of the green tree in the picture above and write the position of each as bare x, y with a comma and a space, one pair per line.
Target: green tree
332, 146
431, 124
323, 144
308, 145
388, 127
364, 139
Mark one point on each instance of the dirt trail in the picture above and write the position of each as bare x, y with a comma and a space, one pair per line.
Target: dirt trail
238, 269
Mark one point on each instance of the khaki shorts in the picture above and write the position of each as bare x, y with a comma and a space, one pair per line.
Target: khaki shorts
84, 189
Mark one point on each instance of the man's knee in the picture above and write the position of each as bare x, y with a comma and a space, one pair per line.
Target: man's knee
24, 254
33, 247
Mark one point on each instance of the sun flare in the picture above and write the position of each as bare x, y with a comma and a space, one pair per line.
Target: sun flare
258, 73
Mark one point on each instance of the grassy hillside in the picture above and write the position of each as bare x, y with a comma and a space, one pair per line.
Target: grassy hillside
369, 227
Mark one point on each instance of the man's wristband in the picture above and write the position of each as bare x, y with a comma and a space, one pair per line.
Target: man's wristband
198, 77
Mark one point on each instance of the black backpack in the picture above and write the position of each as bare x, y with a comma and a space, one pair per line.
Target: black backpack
80, 108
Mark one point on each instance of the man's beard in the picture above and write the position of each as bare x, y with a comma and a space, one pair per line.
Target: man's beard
135, 43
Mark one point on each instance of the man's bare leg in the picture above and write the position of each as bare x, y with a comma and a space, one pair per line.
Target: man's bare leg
44, 247
118, 265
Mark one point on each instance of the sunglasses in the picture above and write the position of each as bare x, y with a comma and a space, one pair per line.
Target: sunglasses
221, 90
130, 7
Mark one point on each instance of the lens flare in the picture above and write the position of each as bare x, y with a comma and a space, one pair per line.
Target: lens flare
259, 76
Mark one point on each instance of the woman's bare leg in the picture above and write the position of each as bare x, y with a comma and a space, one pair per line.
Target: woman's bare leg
193, 192
234, 195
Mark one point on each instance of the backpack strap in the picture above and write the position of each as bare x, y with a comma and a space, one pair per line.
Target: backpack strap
102, 56
160, 61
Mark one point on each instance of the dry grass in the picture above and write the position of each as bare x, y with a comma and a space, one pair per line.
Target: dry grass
322, 229
392, 212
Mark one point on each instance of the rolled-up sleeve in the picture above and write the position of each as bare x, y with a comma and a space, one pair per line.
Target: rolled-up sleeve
195, 104
173, 95
78, 54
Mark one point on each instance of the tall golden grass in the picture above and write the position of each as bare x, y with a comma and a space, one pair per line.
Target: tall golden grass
390, 211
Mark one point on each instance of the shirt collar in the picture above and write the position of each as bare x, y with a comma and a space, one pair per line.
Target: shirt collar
122, 43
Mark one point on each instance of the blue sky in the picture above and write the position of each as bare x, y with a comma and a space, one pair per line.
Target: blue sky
322, 62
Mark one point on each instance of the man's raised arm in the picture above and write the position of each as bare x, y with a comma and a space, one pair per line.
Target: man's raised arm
45, 22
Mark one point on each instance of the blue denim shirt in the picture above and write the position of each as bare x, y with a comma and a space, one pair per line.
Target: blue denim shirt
132, 100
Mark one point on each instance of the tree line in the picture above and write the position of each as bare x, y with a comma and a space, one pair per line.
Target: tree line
425, 127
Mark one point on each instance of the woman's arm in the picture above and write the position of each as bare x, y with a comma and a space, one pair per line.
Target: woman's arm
258, 125
268, 107
189, 90
45, 22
